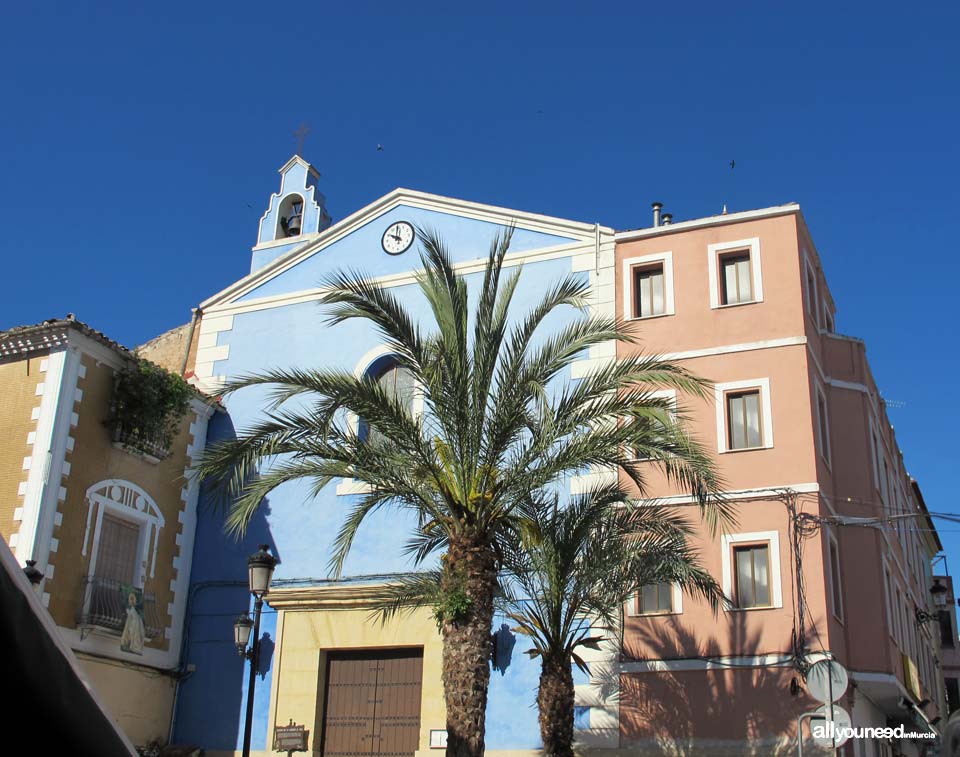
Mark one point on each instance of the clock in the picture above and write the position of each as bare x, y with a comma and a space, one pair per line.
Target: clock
397, 238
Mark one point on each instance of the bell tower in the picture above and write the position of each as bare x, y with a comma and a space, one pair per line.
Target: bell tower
295, 214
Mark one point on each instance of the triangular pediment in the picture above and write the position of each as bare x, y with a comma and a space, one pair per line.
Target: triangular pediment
355, 242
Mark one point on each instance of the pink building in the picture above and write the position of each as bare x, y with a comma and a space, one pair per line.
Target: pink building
832, 549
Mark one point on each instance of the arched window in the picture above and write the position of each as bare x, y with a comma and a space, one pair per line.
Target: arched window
396, 380
290, 217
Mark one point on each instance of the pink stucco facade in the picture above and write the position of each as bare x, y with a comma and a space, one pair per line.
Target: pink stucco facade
824, 453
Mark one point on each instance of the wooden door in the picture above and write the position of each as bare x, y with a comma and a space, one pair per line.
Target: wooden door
372, 703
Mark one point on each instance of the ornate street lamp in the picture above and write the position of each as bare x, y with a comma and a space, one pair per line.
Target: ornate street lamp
260, 568
242, 627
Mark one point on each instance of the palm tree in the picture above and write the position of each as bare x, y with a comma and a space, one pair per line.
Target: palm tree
498, 423
570, 575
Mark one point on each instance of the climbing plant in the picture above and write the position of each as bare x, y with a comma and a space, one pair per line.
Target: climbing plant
148, 405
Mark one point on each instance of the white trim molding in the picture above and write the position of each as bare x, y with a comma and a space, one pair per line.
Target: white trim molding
766, 410
699, 223
575, 230
131, 503
665, 259
717, 663
676, 602
713, 261
727, 542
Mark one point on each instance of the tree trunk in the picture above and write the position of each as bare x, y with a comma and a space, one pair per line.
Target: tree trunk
470, 567
555, 703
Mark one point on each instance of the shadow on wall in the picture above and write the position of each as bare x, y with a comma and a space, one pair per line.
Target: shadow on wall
212, 696
680, 711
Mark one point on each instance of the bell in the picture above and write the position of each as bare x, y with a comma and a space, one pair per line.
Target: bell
293, 224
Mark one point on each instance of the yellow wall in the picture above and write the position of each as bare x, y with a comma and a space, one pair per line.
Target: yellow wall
139, 701
18, 393
305, 636
94, 459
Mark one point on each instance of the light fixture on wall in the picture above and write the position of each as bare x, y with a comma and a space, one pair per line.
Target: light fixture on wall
260, 566
939, 593
33, 574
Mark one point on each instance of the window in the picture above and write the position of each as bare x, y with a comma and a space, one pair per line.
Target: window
837, 593
122, 538
828, 324
648, 291
744, 416
735, 278
657, 420
743, 420
823, 427
398, 382
811, 292
887, 599
752, 588
648, 286
734, 270
655, 598
750, 564
119, 550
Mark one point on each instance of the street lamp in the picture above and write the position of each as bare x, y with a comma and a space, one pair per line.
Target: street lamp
260, 567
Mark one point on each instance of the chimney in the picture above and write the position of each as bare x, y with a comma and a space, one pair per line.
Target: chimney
667, 218
657, 206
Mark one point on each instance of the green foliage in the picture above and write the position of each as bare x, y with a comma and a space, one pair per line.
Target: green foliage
148, 405
453, 604
570, 575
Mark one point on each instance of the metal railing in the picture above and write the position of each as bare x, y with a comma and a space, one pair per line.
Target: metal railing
104, 603
155, 447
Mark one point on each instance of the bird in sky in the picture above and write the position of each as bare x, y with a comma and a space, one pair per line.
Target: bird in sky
379, 148
732, 164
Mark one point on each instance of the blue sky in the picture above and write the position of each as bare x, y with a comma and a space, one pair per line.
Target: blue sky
140, 145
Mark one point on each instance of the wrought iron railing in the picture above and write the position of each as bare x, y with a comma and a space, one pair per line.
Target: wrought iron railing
104, 604
155, 447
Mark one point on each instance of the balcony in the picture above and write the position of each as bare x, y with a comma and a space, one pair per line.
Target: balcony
153, 449
104, 604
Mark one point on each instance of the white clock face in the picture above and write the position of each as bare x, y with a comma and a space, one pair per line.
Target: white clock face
397, 238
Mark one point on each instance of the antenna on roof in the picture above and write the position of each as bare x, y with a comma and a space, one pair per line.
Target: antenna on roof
733, 164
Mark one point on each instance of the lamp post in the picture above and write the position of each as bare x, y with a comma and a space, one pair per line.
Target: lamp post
260, 567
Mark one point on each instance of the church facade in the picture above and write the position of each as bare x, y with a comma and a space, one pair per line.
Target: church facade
322, 653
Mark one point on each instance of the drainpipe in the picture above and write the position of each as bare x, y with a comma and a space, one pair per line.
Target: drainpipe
197, 312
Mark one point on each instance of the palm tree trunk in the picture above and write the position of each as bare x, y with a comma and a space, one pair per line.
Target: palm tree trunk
470, 568
555, 702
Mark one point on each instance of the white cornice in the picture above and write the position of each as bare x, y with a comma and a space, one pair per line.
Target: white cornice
699, 223
299, 241
580, 231
293, 161
400, 279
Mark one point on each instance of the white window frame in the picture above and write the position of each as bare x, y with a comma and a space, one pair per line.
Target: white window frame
835, 580
720, 393
666, 260
813, 300
888, 596
728, 542
823, 425
670, 394
348, 486
714, 251
677, 604
135, 506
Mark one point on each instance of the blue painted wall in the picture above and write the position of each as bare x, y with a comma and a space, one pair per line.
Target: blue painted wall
300, 528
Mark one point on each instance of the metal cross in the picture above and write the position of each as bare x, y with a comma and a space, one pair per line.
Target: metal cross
301, 134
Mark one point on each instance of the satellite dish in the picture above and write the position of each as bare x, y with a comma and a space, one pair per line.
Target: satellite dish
829, 725
827, 681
